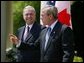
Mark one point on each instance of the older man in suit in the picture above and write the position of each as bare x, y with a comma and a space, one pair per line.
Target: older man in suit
56, 40
26, 37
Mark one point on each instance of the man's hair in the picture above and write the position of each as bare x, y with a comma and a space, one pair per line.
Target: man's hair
30, 8
51, 10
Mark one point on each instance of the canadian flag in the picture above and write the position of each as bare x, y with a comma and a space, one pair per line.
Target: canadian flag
64, 14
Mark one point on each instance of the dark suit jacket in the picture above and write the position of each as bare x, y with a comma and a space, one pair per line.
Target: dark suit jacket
28, 52
77, 23
59, 47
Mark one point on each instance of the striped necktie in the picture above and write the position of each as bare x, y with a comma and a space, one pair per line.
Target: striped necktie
26, 32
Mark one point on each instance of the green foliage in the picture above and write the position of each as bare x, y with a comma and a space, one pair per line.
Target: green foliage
77, 59
17, 12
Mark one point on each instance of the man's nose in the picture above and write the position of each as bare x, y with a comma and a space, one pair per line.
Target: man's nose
29, 16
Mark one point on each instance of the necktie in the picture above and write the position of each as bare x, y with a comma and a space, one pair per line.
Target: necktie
26, 32
47, 37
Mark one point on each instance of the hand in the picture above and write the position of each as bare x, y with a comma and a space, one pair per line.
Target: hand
13, 39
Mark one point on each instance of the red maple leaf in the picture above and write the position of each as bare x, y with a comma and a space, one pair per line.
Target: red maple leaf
64, 17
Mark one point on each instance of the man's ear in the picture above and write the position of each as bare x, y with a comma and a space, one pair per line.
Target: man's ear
50, 17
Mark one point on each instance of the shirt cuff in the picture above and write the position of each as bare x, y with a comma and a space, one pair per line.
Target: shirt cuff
18, 43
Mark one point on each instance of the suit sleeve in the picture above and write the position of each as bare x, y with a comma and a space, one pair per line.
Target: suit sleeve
68, 45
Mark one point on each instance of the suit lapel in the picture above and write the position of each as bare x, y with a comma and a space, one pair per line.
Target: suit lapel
54, 33
29, 36
21, 33
43, 39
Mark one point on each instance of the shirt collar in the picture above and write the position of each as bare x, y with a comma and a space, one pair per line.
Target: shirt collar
30, 26
52, 26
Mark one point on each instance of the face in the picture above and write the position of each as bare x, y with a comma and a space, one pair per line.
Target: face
45, 18
29, 16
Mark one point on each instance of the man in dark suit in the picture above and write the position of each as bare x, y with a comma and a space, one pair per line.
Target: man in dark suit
26, 37
56, 41
77, 23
